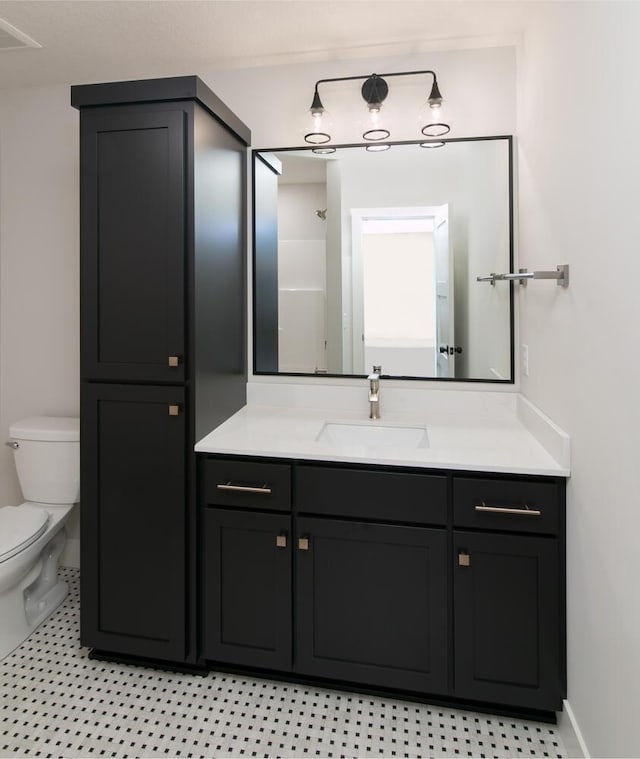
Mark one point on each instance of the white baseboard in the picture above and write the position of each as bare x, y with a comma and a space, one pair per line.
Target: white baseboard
571, 734
71, 555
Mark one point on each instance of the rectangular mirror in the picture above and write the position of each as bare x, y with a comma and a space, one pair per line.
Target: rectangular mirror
368, 257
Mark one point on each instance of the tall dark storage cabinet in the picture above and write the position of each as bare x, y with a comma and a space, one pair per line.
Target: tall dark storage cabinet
163, 302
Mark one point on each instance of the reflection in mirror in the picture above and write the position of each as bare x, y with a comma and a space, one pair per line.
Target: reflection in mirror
365, 258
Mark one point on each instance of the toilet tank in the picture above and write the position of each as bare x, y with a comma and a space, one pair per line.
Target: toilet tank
47, 458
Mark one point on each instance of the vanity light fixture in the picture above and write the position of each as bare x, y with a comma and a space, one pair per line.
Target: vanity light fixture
374, 92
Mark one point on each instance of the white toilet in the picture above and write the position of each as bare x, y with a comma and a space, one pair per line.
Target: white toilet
32, 536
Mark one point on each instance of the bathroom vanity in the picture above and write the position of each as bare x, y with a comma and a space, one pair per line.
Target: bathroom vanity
423, 554
385, 566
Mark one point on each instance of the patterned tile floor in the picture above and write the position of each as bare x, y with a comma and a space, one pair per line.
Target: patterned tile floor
55, 702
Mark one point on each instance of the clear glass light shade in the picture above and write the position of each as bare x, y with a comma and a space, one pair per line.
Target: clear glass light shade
373, 125
318, 127
432, 121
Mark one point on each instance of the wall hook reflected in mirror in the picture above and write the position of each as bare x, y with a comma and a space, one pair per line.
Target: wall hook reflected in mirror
321, 213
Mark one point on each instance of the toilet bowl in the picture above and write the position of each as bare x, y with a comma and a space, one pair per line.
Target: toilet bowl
32, 535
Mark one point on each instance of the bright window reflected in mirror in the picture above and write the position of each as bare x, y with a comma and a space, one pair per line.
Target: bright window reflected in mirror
394, 270
363, 259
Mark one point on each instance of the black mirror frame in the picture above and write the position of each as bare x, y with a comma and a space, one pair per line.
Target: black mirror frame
258, 159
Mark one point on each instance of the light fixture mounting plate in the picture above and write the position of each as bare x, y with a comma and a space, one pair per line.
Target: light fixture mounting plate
374, 90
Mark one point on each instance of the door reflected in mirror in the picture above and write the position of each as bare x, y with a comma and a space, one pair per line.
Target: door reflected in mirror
367, 258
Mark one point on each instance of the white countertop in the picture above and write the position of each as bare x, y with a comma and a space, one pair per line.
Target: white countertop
496, 435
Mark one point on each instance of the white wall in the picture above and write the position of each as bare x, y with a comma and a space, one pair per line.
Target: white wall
579, 167
275, 101
39, 294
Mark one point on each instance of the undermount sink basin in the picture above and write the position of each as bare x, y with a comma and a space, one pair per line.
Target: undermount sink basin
374, 434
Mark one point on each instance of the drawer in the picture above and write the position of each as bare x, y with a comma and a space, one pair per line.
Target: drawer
513, 505
364, 494
247, 484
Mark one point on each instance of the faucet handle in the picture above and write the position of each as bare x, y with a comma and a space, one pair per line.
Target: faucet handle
377, 369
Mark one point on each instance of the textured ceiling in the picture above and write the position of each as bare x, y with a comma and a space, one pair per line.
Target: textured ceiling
96, 40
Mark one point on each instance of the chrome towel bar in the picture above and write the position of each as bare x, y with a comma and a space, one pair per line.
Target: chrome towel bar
561, 275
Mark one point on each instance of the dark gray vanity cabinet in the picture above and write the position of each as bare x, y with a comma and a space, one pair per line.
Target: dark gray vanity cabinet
246, 563
508, 555
371, 577
265, 265
367, 599
162, 248
432, 583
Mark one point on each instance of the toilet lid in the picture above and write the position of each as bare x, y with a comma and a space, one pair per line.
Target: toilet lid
19, 527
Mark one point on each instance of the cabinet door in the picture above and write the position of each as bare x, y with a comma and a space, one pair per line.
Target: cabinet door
247, 588
507, 630
372, 604
133, 521
133, 244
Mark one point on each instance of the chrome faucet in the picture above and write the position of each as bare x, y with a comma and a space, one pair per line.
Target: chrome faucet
374, 392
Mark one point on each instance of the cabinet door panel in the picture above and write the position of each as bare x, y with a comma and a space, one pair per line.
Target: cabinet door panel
247, 588
133, 244
371, 604
507, 637
133, 520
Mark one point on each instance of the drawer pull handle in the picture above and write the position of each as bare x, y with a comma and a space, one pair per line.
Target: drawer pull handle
303, 544
526, 512
244, 488
281, 540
